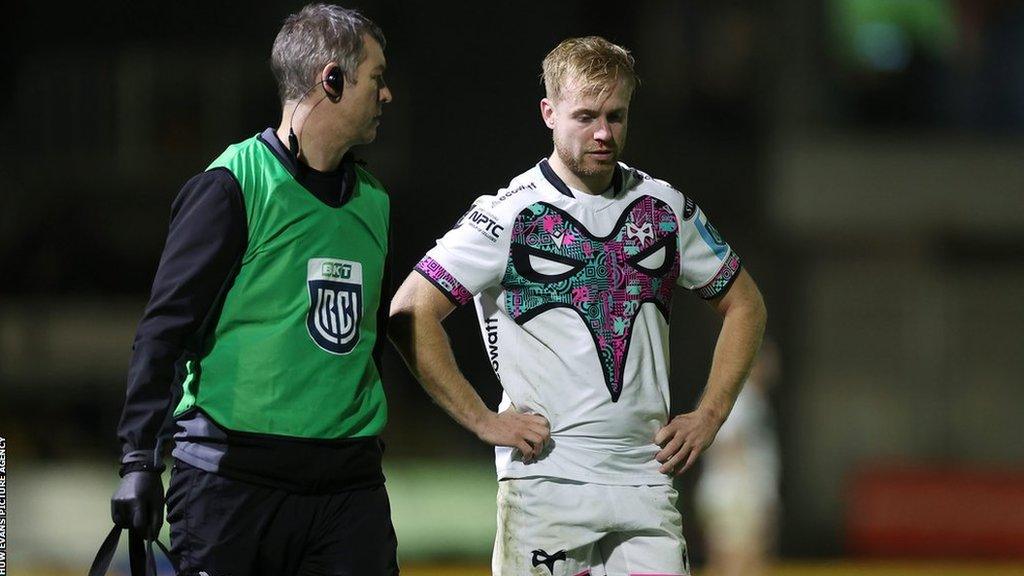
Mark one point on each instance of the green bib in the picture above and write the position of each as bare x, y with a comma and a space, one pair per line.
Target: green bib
291, 351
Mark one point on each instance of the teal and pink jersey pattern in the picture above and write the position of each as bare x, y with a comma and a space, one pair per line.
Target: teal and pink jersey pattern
573, 293
607, 280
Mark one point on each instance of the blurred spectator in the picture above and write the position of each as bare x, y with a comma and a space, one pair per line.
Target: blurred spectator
737, 496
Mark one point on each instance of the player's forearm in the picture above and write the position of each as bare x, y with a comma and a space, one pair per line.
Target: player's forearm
423, 344
742, 330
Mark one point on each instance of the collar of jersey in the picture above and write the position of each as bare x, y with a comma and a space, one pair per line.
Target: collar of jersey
561, 186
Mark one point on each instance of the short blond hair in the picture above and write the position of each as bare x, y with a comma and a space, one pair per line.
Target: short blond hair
591, 65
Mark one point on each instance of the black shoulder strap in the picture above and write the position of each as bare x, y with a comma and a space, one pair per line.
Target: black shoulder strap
140, 554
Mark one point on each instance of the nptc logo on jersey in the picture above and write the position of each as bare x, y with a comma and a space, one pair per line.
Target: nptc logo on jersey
335, 303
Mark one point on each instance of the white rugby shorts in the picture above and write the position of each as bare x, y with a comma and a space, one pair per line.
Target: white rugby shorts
555, 527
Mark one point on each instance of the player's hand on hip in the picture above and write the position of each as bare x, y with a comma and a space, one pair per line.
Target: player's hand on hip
683, 439
528, 433
139, 503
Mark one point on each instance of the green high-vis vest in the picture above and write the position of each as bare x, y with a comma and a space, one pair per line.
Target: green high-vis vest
291, 351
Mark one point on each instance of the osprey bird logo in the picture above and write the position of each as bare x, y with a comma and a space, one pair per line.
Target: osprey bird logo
640, 233
542, 557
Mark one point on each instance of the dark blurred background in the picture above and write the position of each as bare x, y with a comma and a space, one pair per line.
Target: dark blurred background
863, 156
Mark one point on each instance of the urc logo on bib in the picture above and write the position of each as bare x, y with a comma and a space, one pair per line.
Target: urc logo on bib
335, 303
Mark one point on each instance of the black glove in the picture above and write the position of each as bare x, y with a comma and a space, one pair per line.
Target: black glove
139, 501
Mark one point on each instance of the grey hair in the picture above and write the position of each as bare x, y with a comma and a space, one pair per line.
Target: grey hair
314, 37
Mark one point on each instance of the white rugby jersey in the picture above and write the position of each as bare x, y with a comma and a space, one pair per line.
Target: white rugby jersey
573, 294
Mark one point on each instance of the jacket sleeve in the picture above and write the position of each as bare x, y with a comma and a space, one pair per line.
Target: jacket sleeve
206, 239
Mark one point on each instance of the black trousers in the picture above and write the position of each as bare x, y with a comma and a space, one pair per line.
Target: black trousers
225, 527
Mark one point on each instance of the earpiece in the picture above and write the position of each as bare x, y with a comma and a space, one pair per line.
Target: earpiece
334, 84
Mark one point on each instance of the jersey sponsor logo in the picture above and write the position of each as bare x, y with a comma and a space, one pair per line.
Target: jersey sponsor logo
508, 194
483, 222
335, 303
491, 335
689, 207
548, 560
555, 261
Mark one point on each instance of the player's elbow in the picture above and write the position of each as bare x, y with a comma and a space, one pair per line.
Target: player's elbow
409, 309
400, 321
755, 312
760, 314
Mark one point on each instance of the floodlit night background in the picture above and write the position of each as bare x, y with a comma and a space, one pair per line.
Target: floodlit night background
864, 157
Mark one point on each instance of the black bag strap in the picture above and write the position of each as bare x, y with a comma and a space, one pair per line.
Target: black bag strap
140, 554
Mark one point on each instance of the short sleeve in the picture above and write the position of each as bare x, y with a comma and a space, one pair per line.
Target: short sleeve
470, 257
708, 265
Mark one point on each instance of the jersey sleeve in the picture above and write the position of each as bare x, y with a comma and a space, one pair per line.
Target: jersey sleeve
708, 264
470, 257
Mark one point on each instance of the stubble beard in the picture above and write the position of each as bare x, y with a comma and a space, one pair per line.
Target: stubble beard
577, 166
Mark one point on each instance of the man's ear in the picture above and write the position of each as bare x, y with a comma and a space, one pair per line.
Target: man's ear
547, 112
